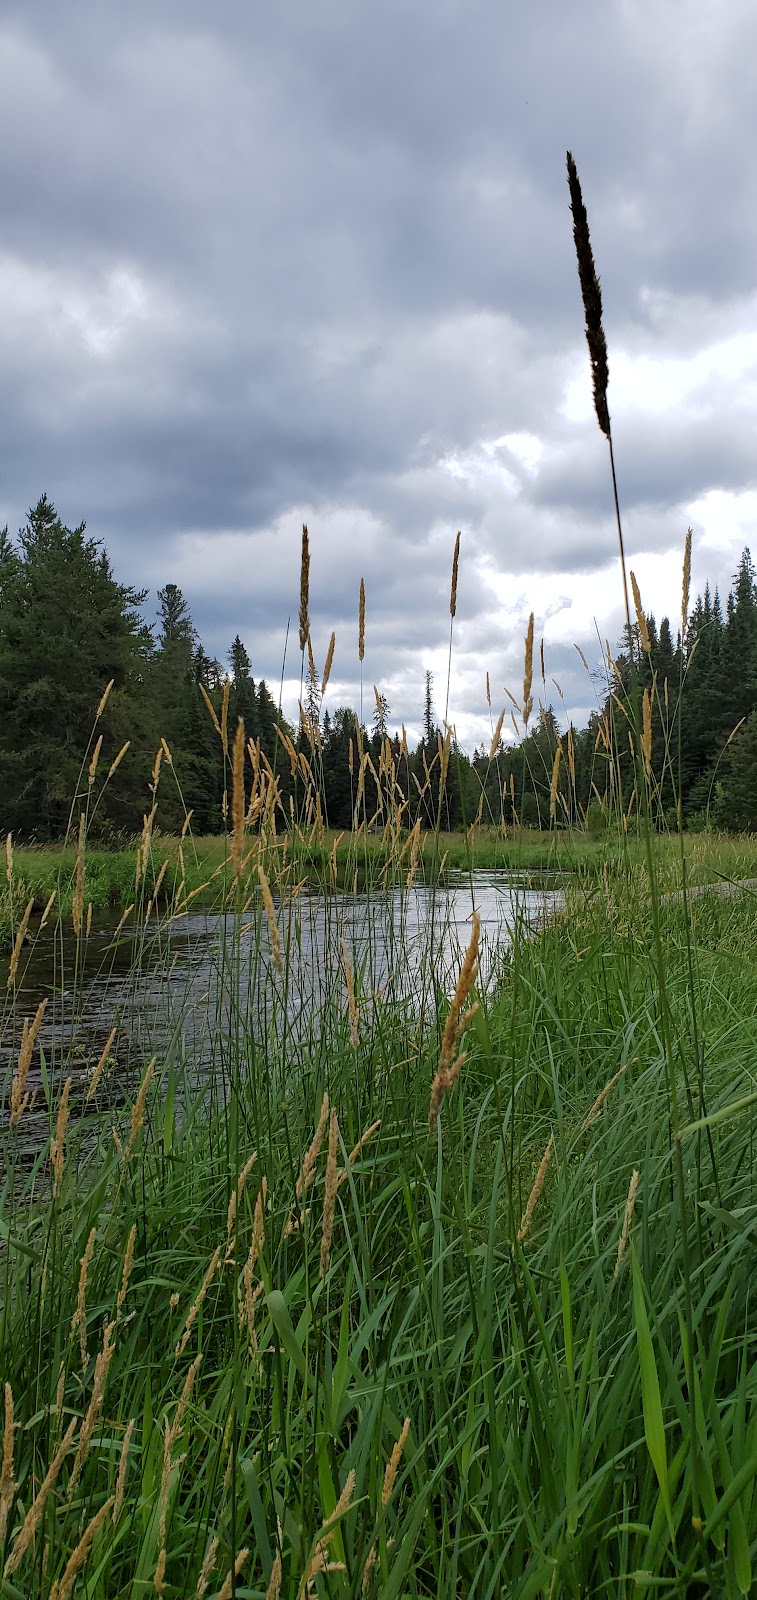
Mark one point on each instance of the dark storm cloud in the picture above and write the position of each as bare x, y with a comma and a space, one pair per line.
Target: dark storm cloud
274, 262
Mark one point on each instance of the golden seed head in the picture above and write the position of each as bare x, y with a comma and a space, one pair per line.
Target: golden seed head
646, 643
646, 736
94, 761
57, 1143
329, 1198
686, 582
450, 1061
328, 664
533, 1198
555, 781
18, 943
361, 622
104, 699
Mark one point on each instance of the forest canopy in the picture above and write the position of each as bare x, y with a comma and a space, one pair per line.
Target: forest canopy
68, 628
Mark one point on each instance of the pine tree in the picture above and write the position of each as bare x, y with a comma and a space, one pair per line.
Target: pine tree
66, 629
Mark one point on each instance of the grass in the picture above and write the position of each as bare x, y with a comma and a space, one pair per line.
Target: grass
549, 1446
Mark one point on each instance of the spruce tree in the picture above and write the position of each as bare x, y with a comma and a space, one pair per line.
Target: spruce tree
66, 629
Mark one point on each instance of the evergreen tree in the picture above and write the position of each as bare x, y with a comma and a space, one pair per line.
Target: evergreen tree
66, 629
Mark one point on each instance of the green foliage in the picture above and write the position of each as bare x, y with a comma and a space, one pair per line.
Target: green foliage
67, 628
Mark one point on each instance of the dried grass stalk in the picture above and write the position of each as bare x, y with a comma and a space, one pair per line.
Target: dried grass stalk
304, 588
207, 1568
93, 763
123, 1461
646, 731
102, 1364
319, 1561
686, 584
450, 1061
126, 1271
528, 672
64, 1587
351, 1002
533, 1199
627, 1220
237, 801
101, 1064
554, 782
494, 746
215, 1262
225, 1592
20, 1098
592, 299
329, 663
103, 701
453, 587
274, 938
274, 1588
117, 759
79, 1318
307, 1170
138, 1109
58, 1141
33, 1516
329, 1198
643, 626
234, 1199
18, 942
7, 1482
392, 1468
593, 1112
357, 1150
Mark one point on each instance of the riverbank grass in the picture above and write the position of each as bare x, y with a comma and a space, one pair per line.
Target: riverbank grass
291, 1313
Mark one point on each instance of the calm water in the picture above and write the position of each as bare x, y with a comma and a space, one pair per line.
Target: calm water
205, 977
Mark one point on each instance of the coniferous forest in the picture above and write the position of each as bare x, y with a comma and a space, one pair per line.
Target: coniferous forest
68, 627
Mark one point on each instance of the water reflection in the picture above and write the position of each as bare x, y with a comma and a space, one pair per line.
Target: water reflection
182, 992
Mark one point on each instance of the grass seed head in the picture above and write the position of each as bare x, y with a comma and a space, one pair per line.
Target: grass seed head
453, 586
329, 1198
625, 1231
533, 1199
304, 588
591, 295
63, 1589
33, 1516
19, 940
7, 1483
643, 626
361, 622
686, 584
58, 1141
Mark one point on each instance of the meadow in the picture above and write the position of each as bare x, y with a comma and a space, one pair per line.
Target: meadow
441, 1296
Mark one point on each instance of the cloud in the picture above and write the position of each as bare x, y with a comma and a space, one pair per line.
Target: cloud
265, 263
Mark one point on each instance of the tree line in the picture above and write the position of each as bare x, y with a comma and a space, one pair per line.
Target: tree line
68, 628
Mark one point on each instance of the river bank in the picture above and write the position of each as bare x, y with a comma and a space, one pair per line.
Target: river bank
202, 868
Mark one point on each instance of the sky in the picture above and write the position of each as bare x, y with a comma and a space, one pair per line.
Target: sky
279, 262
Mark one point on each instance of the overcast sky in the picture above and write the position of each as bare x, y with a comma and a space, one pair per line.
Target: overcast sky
279, 261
